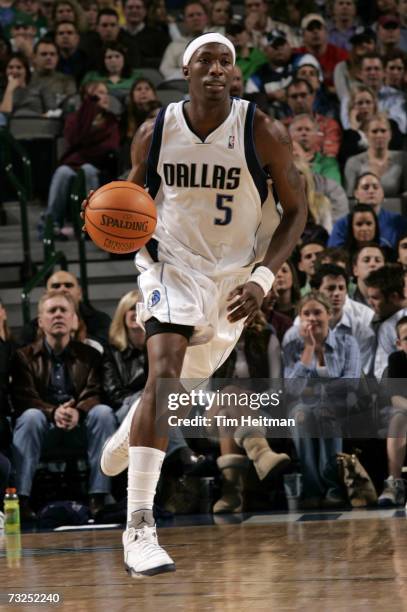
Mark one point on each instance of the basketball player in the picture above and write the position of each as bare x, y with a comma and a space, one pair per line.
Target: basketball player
206, 162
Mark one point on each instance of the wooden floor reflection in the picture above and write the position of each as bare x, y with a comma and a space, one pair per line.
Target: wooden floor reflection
324, 566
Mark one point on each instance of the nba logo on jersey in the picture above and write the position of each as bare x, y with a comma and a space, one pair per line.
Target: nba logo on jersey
231, 144
154, 298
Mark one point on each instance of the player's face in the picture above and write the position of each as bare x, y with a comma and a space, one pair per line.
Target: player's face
210, 72
369, 259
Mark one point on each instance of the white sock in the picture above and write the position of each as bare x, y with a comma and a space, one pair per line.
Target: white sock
143, 474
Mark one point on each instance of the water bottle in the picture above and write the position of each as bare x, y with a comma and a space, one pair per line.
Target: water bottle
11, 512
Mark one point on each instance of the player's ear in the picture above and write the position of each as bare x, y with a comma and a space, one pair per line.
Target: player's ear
185, 72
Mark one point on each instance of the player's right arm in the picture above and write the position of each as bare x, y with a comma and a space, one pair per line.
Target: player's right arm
140, 147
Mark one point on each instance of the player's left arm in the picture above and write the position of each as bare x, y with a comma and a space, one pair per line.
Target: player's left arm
274, 150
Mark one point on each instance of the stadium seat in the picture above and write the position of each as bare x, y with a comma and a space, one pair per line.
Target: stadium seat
39, 128
178, 84
166, 96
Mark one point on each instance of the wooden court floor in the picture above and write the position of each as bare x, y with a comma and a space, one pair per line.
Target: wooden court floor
316, 565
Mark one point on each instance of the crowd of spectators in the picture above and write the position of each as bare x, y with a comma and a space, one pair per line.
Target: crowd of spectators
334, 72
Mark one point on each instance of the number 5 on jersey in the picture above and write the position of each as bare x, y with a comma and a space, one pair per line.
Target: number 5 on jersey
220, 205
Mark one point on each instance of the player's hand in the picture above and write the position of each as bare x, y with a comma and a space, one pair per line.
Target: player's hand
245, 302
83, 207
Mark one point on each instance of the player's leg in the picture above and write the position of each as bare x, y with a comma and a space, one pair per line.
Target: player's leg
143, 555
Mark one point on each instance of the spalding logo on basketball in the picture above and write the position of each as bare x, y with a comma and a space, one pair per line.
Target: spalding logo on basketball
120, 217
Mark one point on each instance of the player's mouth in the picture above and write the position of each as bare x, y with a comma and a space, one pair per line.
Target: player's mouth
215, 85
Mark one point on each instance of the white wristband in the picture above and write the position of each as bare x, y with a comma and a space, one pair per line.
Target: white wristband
264, 277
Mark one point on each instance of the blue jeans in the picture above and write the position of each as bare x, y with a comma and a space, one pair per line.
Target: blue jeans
316, 450
29, 434
59, 189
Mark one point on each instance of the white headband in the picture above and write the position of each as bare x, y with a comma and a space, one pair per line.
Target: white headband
204, 39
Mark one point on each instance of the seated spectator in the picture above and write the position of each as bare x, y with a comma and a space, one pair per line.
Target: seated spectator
287, 290
368, 190
348, 317
115, 71
388, 165
367, 258
300, 100
319, 207
388, 33
401, 250
248, 58
394, 64
149, 41
363, 227
220, 16
307, 254
386, 295
390, 100
344, 23
69, 10
108, 31
8, 347
159, 19
279, 321
57, 384
325, 103
318, 353
332, 255
91, 134
394, 490
19, 96
46, 76
125, 370
347, 74
143, 104
73, 61
362, 108
259, 23
273, 78
257, 355
315, 41
97, 322
23, 34
195, 22
91, 10
304, 133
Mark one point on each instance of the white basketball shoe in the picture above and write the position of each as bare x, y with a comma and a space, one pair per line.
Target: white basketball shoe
115, 452
143, 556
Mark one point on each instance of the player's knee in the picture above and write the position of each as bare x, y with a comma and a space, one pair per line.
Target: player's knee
164, 367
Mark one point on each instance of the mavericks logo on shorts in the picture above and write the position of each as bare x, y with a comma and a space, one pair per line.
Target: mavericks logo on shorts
154, 298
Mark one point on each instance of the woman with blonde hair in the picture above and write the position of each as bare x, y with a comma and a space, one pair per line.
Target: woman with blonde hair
319, 206
387, 165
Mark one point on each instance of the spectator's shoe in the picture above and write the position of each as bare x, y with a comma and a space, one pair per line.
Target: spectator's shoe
143, 556
115, 452
233, 468
394, 493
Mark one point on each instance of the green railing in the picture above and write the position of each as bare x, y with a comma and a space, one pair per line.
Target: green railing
77, 195
11, 148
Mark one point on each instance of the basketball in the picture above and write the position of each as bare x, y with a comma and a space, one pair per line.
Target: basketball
120, 217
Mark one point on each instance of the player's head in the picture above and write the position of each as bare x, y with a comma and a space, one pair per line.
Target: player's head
208, 63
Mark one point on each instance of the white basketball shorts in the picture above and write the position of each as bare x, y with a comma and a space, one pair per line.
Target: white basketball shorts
187, 297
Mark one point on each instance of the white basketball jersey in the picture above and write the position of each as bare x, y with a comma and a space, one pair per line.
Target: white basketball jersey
216, 211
